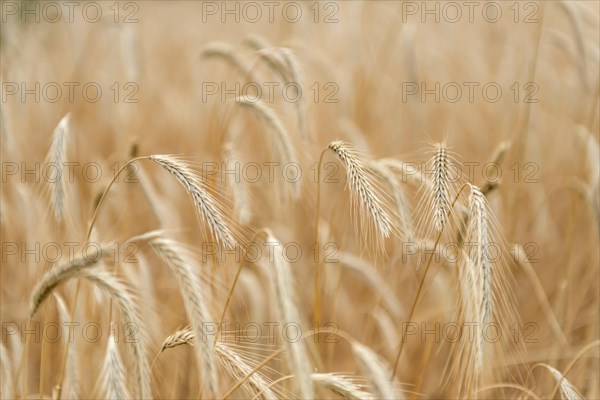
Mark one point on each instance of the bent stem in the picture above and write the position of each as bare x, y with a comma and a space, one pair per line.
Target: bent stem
421, 285
317, 315
232, 288
77, 288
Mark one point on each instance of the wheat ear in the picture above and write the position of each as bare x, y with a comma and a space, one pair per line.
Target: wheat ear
371, 208
56, 157
57, 275
374, 371
468, 362
441, 192
205, 204
226, 52
341, 386
195, 302
256, 42
478, 238
279, 132
238, 369
178, 338
231, 361
286, 65
113, 377
117, 291
567, 390
403, 212
281, 282
120, 294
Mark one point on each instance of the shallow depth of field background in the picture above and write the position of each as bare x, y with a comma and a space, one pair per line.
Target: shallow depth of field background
357, 73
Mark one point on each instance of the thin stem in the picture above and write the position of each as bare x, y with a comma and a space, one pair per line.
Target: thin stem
155, 358
275, 382
77, 288
114, 179
523, 133
233, 285
229, 295
317, 315
311, 333
43, 352
421, 285
414, 305
26, 353
255, 369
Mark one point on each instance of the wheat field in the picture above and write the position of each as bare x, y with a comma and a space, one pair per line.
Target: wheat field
311, 200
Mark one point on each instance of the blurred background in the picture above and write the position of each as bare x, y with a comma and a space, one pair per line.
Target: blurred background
515, 84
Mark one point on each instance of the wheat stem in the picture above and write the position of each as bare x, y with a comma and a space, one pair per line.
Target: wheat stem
420, 288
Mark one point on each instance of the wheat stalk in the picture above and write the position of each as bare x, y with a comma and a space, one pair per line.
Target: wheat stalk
207, 207
72, 376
